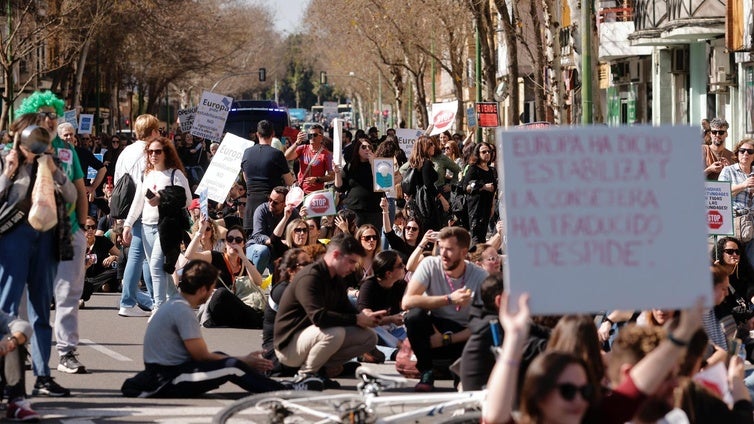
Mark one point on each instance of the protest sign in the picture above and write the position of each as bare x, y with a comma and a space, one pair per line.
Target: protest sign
210, 117
719, 208
443, 116
86, 120
382, 174
407, 138
186, 118
224, 168
602, 218
319, 203
91, 173
337, 141
487, 114
470, 117
204, 202
70, 117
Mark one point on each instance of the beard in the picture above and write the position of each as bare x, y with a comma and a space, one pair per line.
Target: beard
452, 266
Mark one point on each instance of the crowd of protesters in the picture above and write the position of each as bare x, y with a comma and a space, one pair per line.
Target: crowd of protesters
416, 267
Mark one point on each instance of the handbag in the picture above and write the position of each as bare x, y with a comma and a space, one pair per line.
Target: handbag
43, 214
250, 293
743, 225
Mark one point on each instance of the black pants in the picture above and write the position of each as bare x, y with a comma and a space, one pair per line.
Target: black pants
420, 325
225, 309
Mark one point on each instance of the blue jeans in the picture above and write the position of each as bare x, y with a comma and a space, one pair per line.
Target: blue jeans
131, 294
162, 283
259, 255
28, 259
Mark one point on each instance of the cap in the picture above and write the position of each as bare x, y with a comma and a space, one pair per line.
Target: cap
36, 139
194, 204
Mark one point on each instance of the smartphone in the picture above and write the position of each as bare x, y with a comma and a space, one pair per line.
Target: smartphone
733, 346
497, 339
150, 194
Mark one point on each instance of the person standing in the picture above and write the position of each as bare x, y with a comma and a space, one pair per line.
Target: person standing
132, 162
480, 183
264, 167
715, 155
315, 161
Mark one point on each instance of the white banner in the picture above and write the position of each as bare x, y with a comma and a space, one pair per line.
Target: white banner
407, 138
719, 208
443, 116
224, 168
602, 218
337, 142
210, 117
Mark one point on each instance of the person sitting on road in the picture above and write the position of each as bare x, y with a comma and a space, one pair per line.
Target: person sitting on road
176, 359
317, 328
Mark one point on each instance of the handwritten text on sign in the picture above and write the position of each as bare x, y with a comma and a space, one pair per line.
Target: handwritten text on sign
599, 208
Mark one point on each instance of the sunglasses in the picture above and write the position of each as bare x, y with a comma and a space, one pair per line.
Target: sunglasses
51, 115
412, 228
365, 147
732, 251
302, 264
157, 152
236, 240
484, 152
369, 238
94, 227
300, 230
749, 151
568, 391
492, 259
273, 201
718, 132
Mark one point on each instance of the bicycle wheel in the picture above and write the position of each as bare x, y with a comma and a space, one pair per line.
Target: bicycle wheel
471, 417
288, 407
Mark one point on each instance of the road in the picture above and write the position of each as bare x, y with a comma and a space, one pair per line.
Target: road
111, 349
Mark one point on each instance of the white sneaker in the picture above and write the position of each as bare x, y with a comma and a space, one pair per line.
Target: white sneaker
133, 311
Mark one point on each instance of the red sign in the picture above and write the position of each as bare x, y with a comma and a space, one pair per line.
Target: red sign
714, 220
487, 115
319, 203
444, 119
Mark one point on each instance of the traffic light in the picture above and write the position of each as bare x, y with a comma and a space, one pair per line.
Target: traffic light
323, 78
262, 74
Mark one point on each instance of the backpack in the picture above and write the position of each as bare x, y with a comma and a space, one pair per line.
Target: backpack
410, 181
123, 194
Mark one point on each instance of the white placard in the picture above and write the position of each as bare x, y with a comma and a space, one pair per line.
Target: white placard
210, 117
337, 141
204, 202
86, 120
443, 116
224, 168
602, 218
186, 118
407, 138
70, 117
719, 208
383, 170
319, 203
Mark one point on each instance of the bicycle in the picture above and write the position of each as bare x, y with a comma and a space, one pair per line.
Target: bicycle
364, 407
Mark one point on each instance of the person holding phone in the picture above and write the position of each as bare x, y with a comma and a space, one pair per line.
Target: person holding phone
163, 169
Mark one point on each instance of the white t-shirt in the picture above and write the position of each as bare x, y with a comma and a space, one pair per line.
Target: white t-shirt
155, 181
431, 275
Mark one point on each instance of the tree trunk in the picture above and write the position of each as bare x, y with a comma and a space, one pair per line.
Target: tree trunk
509, 32
539, 60
80, 65
420, 101
398, 89
551, 14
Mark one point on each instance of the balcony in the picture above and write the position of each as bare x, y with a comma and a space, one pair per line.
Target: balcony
615, 22
662, 22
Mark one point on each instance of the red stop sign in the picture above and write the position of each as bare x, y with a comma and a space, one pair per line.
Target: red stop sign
714, 220
319, 203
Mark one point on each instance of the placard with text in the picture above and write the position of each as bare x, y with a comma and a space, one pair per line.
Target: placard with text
487, 114
719, 208
210, 116
224, 168
601, 218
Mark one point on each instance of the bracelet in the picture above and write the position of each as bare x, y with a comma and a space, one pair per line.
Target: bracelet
447, 298
677, 342
609, 320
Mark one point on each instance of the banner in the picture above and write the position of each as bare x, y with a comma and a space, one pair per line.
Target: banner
719, 208
211, 113
407, 138
602, 218
443, 116
224, 168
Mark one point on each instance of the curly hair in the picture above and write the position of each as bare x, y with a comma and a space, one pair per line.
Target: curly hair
40, 99
172, 161
633, 343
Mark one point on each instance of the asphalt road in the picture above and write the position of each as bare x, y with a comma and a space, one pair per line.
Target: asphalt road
111, 349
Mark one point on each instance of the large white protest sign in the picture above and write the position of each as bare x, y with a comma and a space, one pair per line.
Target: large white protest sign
224, 168
186, 118
210, 117
719, 208
602, 218
443, 116
337, 141
407, 138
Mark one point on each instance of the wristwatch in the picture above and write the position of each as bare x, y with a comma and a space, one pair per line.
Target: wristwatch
446, 340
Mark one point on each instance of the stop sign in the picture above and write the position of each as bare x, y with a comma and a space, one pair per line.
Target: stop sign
319, 203
714, 220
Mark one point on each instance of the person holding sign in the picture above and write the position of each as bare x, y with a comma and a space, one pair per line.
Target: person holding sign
315, 161
356, 180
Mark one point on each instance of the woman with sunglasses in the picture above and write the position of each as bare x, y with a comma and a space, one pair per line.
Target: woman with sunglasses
728, 253
356, 183
486, 256
101, 262
291, 263
163, 169
224, 308
408, 240
741, 178
480, 183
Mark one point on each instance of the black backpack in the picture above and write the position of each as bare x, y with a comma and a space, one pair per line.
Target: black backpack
123, 194
410, 181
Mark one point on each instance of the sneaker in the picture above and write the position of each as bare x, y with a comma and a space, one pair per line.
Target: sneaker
133, 311
324, 374
426, 383
20, 410
46, 386
69, 363
305, 382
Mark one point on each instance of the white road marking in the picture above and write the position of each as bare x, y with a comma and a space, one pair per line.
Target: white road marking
79, 416
102, 349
